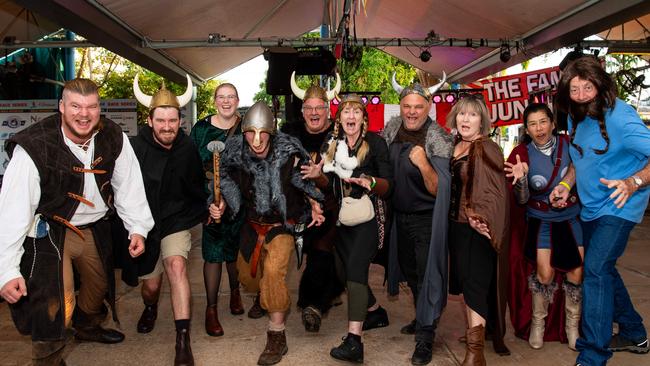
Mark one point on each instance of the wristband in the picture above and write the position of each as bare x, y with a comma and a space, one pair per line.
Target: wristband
565, 184
373, 183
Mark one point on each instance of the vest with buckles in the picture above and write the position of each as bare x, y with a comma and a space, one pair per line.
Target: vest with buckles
61, 174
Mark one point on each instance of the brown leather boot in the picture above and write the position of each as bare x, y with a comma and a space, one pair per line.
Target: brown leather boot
236, 308
276, 347
256, 311
212, 325
184, 355
474, 350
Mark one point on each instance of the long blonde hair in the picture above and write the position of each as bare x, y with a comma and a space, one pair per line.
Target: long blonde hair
363, 149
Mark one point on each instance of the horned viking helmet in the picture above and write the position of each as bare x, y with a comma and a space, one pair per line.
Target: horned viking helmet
163, 97
258, 119
315, 91
417, 88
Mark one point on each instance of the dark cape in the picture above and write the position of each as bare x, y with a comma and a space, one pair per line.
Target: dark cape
519, 295
433, 296
174, 184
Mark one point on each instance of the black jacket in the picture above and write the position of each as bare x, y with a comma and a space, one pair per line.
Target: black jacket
173, 180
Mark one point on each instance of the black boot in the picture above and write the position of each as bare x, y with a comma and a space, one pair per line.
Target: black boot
184, 355
422, 354
350, 349
148, 318
408, 328
256, 311
377, 318
87, 329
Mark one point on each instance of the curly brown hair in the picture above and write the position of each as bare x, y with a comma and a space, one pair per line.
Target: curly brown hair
587, 68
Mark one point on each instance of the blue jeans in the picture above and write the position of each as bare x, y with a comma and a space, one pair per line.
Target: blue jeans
604, 297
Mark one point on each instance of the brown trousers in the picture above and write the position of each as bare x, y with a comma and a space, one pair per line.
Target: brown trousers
82, 254
271, 274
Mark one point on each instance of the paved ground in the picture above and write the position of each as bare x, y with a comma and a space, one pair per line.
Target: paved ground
245, 338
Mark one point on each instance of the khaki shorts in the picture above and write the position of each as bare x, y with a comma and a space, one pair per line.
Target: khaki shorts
178, 243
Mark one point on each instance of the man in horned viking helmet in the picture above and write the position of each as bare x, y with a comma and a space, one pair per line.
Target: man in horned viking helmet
65, 174
173, 179
260, 175
420, 150
319, 284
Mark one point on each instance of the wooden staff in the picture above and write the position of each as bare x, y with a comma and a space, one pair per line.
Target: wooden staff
216, 147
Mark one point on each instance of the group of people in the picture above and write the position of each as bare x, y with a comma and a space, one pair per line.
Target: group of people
453, 216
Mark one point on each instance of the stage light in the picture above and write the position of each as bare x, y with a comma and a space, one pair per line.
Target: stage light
425, 56
336, 101
504, 56
437, 98
450, 98
364, 99
375, 99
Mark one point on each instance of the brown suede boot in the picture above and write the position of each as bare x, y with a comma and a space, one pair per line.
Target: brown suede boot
572, 309
474, 350
184, 355
212, 325
236, 308
256, 311
276, 347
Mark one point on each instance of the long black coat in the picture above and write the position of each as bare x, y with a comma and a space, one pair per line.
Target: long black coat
173, 180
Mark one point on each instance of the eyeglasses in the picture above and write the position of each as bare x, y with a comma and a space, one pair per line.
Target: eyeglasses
221, 98
310, 109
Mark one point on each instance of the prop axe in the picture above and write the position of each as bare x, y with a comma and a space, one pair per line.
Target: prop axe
216, 147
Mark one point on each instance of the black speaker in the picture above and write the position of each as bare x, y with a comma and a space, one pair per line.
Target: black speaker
282, 62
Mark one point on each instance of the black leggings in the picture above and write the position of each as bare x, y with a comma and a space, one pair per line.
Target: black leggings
357, 247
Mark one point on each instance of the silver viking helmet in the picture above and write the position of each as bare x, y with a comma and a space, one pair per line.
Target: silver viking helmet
163, 97
416, 88
315, 91
258, 119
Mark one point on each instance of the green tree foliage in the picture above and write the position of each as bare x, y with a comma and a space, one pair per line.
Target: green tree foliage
617, 65
115, 75
374, 73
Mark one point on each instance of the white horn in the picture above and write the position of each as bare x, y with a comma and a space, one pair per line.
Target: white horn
331, 94
187, 96
143, 98
300, 93
398, 88
435, 88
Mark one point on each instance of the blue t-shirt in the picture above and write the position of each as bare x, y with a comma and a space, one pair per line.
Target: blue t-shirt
629, 149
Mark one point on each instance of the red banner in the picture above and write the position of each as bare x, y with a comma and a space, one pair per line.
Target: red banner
507, 97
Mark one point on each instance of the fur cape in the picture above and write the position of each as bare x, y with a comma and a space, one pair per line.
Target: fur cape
438, 141
265, 174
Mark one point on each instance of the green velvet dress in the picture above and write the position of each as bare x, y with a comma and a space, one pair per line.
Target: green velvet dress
220, 242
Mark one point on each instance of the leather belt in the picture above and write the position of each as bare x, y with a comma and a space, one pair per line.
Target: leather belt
261, 230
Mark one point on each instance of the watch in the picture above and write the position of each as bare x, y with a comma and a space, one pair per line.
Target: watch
637, 180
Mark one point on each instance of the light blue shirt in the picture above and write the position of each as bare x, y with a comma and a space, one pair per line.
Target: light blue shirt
629, 149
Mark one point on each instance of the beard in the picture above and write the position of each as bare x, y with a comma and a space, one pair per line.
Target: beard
594, 109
